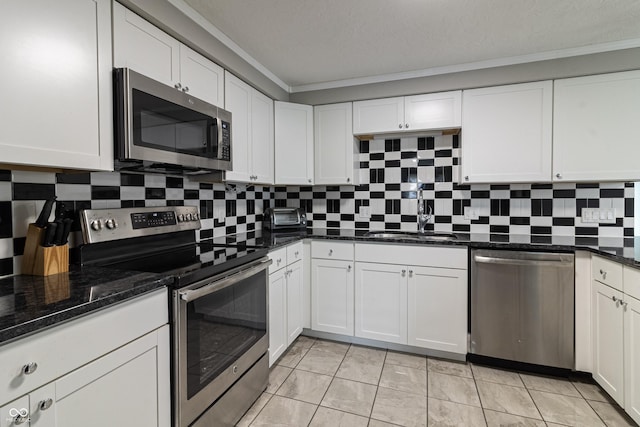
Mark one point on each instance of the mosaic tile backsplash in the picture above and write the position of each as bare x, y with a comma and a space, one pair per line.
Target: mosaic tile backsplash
391, 172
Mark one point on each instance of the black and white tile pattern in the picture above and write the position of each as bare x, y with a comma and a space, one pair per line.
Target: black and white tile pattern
391, 171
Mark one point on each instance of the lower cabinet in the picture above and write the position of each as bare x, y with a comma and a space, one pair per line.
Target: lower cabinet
381, 302
412, 295
608, 366
631, 357
285, 298
115, 379
332, 296
437, 308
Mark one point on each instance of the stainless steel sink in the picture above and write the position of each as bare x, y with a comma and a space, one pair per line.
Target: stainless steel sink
412, 235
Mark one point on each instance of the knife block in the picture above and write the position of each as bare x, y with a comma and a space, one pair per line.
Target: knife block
43, 261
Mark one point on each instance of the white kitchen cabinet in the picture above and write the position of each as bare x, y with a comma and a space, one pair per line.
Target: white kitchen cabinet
56, 84
332, 287
608, 321
437, 308
595, 136
252, 132
293, 144
110, 365
412, 295
407, 114
631, 357
381, 302
285, 298
507, 133
334, 145
141, 46
122, 385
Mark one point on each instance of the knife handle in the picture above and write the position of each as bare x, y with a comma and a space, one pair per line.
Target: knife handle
49, 234
43, 218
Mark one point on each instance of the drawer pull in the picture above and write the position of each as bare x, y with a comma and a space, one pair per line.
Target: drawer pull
410, 273
603, 273
330, 252
404, 272
348, 268
278, 261
296, 254
45, 404
30, 368
20, 416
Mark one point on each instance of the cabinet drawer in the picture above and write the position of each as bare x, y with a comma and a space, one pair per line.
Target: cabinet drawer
632, 282
418, 255
67, 347
279, 258
328, 249
607, 272
294, 252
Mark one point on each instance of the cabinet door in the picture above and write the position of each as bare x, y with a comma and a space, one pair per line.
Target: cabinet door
631, 357
595, 136
437, 313
238, 101
122, 387
332, 296
43, 406
381, 302
293, 143
294, 301
378, 116
201, 77
433, 111
334, 144
261, 137
507, 133
608, 367
277, 315
56, 84
143, 47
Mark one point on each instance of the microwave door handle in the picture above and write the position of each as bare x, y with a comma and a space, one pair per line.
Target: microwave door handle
219, 142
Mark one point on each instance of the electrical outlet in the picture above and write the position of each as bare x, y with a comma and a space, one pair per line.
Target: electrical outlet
471, 213
364, 212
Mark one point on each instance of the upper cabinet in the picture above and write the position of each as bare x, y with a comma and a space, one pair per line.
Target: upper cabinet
407, 114
141, 46
56, 85
334, 146
252, 132
595, 131
293, 144
507, 133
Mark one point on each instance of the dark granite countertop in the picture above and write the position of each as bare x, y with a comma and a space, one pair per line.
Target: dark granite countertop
29, 304
624, 250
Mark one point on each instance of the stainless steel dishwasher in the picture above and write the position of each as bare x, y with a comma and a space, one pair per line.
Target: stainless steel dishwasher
522, 306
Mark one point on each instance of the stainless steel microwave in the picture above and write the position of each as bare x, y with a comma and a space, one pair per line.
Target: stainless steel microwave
159, 128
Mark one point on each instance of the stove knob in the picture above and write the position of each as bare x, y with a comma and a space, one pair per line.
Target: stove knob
189, 217
111, 224
96, 225
196, 217
180, 218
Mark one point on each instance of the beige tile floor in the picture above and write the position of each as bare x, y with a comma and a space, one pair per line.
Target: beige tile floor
324, 383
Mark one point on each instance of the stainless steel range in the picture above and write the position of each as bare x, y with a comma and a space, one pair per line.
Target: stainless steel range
218, 305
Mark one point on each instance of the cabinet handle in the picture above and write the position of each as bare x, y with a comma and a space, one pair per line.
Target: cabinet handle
404, 272
400, 126
178, 86
406, 125
348, 268
348, 179
604, 274
45, 404
410, 273
278, 261
615, 299
309, 180
559, 176
330, 252
30, 368
185, 89
466, 178
296, 254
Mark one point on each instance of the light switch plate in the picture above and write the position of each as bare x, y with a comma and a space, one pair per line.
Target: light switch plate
599, 215
364, 212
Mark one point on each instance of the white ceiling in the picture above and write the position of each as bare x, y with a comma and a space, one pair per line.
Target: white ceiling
315, 44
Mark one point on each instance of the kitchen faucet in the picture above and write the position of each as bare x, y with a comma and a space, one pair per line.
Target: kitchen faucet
423, 218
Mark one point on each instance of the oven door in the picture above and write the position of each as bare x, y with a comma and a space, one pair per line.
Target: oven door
220, 331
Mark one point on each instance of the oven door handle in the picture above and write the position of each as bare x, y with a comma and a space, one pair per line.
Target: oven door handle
216, 285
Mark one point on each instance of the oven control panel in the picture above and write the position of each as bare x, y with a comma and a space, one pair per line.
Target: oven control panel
102, 225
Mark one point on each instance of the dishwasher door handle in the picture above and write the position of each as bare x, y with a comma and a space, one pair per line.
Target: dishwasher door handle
556, 262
